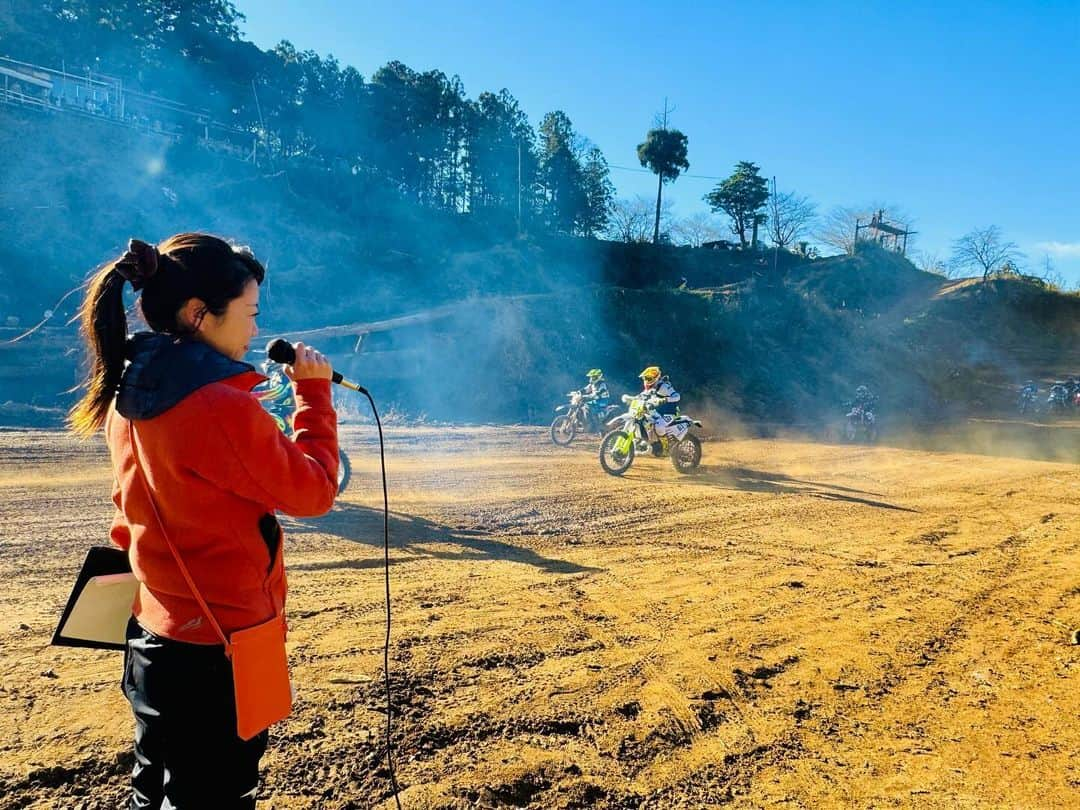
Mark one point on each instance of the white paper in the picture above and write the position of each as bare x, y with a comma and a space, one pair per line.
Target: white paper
102, 610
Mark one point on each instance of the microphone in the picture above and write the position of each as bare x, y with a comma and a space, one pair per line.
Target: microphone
281, 351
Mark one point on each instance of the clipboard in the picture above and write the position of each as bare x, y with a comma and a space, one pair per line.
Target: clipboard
99, 607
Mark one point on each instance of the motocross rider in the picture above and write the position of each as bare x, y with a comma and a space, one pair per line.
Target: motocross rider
661, 396
864, 398
596, 392
863, 406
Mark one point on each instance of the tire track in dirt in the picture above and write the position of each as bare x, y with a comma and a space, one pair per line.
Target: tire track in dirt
682, 719
914, 667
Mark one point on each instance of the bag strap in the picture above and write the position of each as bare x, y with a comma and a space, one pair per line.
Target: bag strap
176, 554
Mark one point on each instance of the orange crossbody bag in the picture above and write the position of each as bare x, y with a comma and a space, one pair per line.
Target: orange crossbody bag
260, 666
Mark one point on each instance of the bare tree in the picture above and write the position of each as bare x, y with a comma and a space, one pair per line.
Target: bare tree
984, 249
695, 229
837, 228
930, 262
631, 220
1048, 272
789, 217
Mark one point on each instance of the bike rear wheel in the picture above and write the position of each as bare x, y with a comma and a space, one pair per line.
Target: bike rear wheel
686, 454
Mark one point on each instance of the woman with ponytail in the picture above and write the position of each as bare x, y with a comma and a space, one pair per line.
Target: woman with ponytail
200, 469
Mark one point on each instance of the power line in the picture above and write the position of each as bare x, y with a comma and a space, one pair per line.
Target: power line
647, 171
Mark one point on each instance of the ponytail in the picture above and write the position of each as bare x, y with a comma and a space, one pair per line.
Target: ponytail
104, 329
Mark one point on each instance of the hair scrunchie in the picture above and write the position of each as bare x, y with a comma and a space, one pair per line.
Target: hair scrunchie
139, 264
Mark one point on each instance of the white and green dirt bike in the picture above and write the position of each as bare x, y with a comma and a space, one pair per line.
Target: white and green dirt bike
579, 415
633, 433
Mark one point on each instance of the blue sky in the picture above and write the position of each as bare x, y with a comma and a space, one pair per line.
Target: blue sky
962, 113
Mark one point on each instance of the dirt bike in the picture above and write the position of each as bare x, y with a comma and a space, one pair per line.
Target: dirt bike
861, 424
277, 398
1026, 402
1058, 402
634, 433
1072, 387
578, 416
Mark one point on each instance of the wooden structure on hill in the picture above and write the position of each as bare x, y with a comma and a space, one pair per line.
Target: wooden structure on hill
878, 230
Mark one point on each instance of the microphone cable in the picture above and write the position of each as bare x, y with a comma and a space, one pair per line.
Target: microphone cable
281, 351
386, 568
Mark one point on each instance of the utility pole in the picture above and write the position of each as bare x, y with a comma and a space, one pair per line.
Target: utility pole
262, 128
519, 188
776, 246
662, 119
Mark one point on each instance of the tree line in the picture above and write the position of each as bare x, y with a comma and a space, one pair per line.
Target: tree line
416, 134
419, 136
789, 218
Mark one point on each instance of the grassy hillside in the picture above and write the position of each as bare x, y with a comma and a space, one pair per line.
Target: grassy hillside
336, 249
784, 345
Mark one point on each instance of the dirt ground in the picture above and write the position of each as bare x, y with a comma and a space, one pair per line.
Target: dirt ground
799, 625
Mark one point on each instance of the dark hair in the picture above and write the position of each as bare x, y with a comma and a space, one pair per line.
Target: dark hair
185, 266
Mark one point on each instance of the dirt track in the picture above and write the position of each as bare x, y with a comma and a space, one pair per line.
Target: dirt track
799, 625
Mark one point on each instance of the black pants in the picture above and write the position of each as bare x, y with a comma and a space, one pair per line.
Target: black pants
187, 753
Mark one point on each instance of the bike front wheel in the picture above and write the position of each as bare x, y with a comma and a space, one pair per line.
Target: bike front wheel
617, 452
563, 430
344, 472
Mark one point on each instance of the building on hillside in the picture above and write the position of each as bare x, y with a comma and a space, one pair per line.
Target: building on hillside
881, 232
106, 98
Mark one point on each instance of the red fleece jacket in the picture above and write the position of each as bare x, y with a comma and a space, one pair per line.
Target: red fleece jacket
216, 464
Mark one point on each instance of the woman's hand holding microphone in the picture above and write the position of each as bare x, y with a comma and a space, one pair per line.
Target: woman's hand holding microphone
309, 365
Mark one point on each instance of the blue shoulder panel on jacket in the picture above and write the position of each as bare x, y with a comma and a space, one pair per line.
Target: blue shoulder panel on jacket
163, 369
